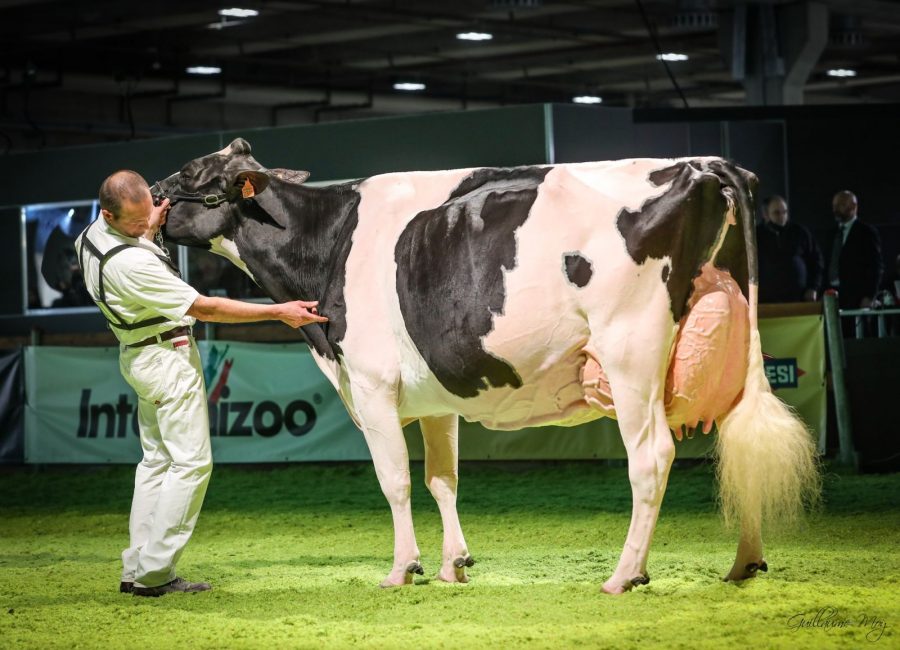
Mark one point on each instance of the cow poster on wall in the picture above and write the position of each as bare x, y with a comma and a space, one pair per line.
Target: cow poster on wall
267, 403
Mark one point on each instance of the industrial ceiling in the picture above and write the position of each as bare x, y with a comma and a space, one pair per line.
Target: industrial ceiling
99, 71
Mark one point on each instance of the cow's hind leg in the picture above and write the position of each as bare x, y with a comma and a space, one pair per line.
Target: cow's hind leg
650, 454
636, 374
381, 426
441, 435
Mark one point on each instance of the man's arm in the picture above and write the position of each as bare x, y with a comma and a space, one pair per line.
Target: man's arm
224, 310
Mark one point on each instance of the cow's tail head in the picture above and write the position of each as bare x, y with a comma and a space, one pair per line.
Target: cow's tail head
740, 186
767, 465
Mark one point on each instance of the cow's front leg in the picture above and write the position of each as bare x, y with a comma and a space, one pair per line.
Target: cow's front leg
441, 435
377, 412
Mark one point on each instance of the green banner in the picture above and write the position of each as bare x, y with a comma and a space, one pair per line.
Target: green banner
794, 350
270, 403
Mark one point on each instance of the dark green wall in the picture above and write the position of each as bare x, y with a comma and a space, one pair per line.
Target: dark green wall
336, 150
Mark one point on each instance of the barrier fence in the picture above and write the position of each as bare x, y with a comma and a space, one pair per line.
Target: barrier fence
270, 403
865, 380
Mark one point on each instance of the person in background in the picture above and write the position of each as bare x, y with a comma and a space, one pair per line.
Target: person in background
854, 262
790, 261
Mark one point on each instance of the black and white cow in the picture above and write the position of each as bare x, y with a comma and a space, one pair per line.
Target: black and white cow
517, 297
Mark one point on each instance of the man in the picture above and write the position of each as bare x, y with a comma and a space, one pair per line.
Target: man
854, 263
151, 311
790, 262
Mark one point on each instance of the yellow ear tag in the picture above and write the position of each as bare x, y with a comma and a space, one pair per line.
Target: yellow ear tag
247, 190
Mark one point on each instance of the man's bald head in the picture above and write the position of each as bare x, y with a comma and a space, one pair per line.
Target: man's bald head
123, 186
844, 206
775, 210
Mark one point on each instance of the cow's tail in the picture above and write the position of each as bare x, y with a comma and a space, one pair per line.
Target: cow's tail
767, 465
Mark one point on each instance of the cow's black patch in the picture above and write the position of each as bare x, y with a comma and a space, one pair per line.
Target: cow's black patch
307, 259
738, 251
665, 273
450, 263
578, 269
682, 224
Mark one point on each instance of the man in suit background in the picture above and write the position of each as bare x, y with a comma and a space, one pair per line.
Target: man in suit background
790, 262
854, 262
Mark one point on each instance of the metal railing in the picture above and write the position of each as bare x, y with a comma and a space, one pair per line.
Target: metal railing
835, 338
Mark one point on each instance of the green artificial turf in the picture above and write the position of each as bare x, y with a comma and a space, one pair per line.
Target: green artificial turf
295, 555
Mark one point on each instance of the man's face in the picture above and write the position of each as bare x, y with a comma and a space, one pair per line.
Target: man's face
133, 219
844, 207
777, 212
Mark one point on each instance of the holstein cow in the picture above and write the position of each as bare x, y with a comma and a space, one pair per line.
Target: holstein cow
517, 297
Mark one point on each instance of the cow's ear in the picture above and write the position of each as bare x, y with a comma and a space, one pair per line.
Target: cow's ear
292, 176
251, 183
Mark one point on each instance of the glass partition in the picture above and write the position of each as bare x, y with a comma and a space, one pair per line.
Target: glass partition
51, 278
51, 275
213, 275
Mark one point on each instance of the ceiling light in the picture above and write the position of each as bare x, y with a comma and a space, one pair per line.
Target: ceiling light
409, 85
672, 56
474, 36
841, 72
203, 69
235, 12
587, 99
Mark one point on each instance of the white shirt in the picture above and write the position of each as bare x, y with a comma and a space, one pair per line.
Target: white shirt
138, 285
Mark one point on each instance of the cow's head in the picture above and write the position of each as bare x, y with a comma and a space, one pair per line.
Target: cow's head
210, 195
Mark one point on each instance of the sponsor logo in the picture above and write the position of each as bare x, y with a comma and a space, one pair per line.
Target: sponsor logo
782, 373
264, 418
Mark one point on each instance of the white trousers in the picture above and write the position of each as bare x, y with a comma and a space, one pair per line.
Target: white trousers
170, 481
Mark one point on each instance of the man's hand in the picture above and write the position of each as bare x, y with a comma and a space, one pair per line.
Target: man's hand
157, 219
299, 313
296, 313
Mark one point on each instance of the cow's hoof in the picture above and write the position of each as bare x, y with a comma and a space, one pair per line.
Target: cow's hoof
456, 571
746, 571
616, 588
640, 580
464, 561
405, 578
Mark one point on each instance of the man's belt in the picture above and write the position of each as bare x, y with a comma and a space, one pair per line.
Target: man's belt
184, 330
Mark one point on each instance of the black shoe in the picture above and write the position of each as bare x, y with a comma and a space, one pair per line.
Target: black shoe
126, 587
178, 584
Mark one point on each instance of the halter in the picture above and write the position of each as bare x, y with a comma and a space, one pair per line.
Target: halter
208, 200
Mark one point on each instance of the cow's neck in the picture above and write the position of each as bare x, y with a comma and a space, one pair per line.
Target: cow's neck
305, 260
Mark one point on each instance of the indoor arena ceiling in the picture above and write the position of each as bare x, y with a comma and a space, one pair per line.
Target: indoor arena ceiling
76, 72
